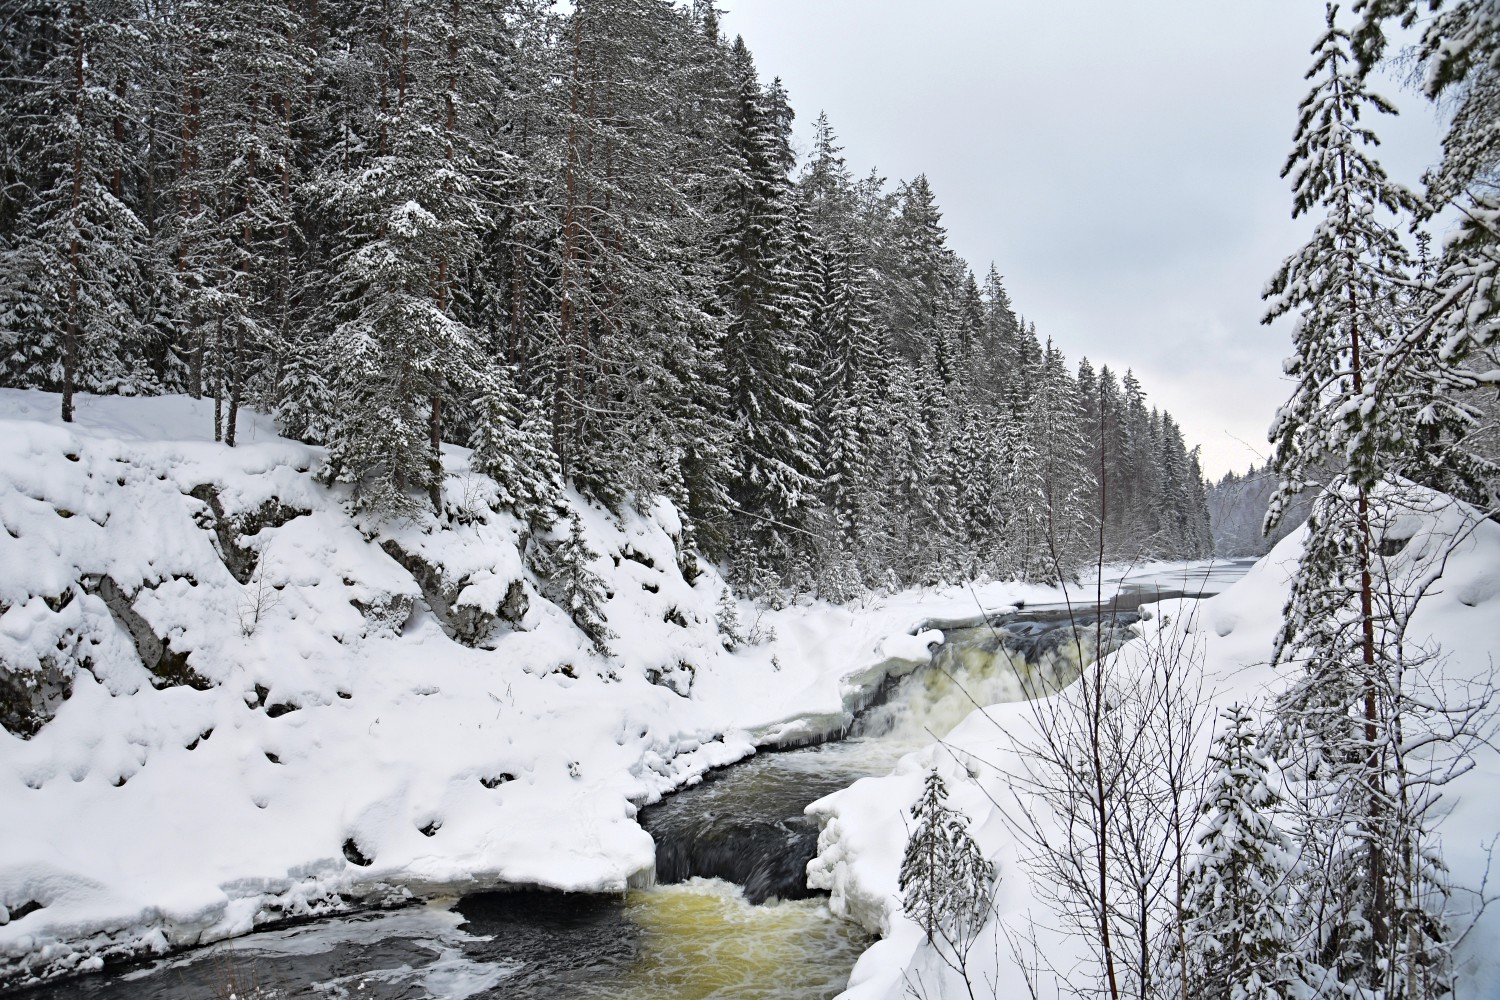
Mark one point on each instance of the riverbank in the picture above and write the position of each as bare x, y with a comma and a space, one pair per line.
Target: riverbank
234, 705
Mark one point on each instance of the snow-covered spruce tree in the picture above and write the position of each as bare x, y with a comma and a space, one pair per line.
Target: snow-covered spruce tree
770, 382
848, 356
1334, 727
77, 257
1237, 896
727, 618
414, 208
1137, 485
1052, 424
947, 884
1457, 326
1112, 438
633, 349
923, 517
1343, 283
571, 584
243, 62
513, 445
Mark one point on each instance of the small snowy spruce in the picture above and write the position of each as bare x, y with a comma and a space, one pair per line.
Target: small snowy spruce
1237, 892
512, 446
573, 585
946, 883
731, 630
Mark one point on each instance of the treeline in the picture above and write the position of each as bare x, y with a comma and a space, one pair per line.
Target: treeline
576, 242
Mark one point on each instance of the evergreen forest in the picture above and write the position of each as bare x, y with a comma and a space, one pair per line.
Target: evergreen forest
581, 243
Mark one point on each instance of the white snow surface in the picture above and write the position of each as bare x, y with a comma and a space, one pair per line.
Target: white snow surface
143, 818
864, 826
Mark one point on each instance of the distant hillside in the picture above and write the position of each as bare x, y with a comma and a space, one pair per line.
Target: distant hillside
1237, 511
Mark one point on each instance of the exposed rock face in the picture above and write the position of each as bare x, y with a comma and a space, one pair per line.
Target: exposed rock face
677, 678
513, 609
465, 623
30, 698
168, 667
241, 559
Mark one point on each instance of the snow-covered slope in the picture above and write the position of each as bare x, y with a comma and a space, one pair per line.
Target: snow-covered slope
864, 826
226, 701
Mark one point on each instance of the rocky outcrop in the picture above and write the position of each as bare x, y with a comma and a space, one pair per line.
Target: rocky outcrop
33, 688
30, 698
677, 678
168, 667
230, 531
468, 624
386, 613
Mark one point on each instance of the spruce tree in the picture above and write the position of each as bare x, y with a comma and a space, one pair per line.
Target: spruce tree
571, 583
769, 378
512, 445
1052, 423
414, 208
80, 243
1237, 896
946, 883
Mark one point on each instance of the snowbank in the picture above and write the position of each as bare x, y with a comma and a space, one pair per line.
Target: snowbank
864, 827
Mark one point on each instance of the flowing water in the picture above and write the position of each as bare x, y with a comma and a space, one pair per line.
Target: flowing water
731, 916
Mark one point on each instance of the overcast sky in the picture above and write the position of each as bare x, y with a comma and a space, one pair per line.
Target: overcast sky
1117, 161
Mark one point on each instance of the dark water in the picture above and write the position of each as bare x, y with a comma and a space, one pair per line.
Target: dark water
484, 943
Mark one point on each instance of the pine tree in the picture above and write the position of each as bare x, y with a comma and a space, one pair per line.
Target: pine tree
1238, 893
1137, 479
1336, 723
1343, 281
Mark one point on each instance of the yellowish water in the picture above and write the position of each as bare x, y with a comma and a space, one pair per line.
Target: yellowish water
967, 676
701, 940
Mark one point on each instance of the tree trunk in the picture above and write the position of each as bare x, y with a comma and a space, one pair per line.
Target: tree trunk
75, 217
568, 281
218, 376
450, 123
234, 387
1379, 915
435, 429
